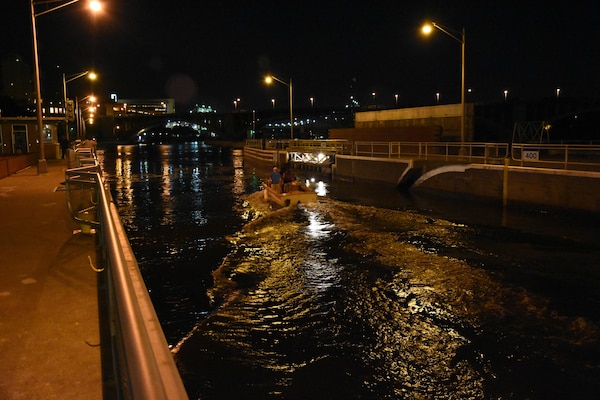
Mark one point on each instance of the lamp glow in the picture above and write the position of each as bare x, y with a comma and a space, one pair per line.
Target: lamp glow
95, 5
459, 37
268, 80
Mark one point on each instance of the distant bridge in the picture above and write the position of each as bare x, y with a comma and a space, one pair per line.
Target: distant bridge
236, 125
569, 118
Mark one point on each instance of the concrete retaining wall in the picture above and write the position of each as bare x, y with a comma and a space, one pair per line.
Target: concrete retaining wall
578, 190
12, 164
388, 134
575, 190
446, 116
380, 170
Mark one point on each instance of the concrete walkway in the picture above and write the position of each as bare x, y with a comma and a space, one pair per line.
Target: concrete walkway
49, 325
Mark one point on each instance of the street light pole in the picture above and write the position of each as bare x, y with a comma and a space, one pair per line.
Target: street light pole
80, 123
42, 164
462, 88
268, 80
291, 112
65, 81
461, 39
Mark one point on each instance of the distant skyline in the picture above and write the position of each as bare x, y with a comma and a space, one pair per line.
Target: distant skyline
214, 53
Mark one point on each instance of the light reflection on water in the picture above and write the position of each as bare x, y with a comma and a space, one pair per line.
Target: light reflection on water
342, 300
319, 270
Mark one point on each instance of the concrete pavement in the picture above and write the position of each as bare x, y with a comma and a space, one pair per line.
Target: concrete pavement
49, 316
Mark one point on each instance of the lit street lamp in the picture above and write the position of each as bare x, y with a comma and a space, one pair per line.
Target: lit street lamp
79, 121
269, 79
67, 79
95, 6
235, 103
459, 37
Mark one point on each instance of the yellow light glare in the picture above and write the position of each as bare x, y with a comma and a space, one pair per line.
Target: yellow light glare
92, 75
95, 5
426, 29
268, 80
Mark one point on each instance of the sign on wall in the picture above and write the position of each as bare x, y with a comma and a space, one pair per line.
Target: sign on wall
530, 155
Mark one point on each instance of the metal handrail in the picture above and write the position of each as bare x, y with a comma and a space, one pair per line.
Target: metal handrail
445, 151
324, 146
254, 143
565, 156
277, 144
144, 363
562, 156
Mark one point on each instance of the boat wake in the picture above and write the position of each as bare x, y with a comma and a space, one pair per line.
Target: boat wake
332, 299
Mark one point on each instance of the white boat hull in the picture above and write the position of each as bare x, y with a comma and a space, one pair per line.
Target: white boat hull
297, 194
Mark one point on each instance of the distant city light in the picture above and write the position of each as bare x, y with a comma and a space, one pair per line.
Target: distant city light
202, 109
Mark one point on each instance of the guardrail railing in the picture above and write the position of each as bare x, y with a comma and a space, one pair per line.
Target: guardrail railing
143, 363
444, 151
322, 146
561, 156
254, 143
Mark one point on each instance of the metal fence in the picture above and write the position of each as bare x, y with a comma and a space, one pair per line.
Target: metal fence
321, 146
142, 361
557, 156
441, 151
562, 156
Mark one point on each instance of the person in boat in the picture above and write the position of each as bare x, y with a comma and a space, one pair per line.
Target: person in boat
275, 179
288, 179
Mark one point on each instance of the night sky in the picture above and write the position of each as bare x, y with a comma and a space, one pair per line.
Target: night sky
214, 52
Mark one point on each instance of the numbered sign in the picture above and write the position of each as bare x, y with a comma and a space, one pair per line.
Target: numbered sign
530, 155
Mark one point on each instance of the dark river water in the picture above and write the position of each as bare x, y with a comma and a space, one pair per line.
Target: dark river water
368, 293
